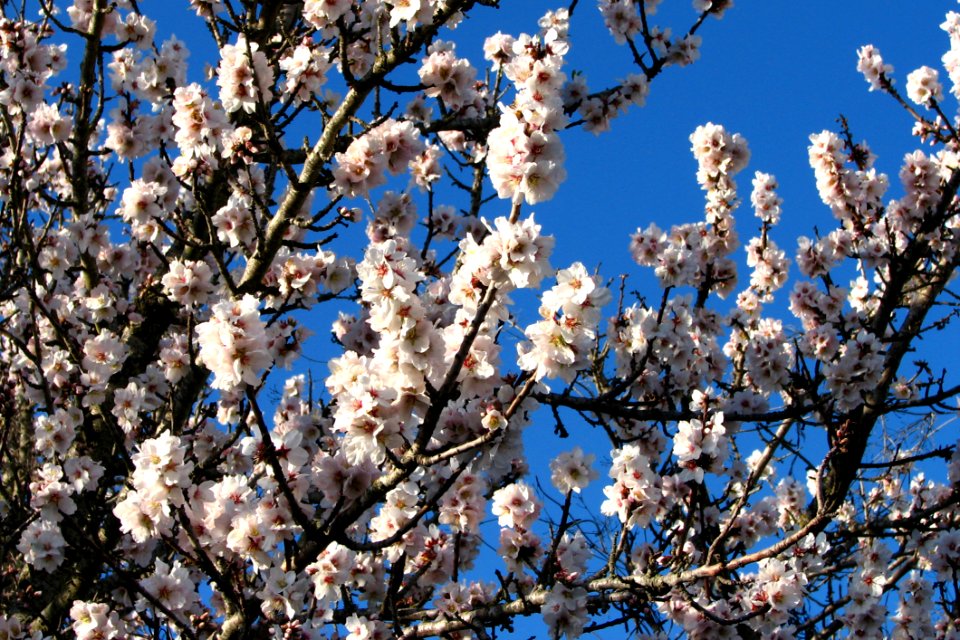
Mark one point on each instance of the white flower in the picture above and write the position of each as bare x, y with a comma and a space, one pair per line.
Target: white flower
330, 571
41, 545
188, 282
233, 343
565, 611
242, 84
516, 506
571, 470
103, 354
170, 585
871, 65
923, 85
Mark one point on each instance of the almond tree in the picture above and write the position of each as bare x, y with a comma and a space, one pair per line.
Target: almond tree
164, 239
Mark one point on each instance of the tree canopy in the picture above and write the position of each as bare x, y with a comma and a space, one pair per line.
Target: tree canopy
758, 448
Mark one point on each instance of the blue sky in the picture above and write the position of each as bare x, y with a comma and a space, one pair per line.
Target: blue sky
774, 72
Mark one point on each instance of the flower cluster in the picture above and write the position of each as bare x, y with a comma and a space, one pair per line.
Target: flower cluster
525, 155
677, 345
202, 126
446, 77
572, 471
635, 495
388, 147
697, 254
560, 344
699, 446
28, 63
923, 86
234, 343
951, 59
565, 611
244, 76
305, 68
160, 473
872, 66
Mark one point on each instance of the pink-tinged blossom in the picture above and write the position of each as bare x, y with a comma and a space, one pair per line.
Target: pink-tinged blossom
447, 77
560, 344
951, 59
104, 354
498, 49
455, 598
850, 194
516, 506
548, 354
253, 537
161, 466
768, 355
524, 166
412, 12
137, 29
174, 357
234, 221
95, 621
699, 444
779, 586
525, 156
573, 553
244, 76
233, 343
634, 89
636, 492
143, 208
171, 586
645, 245
855, 371
766, 203
127, 406
913, 619
144, 515
519, 548
565, 611
361, 628
41, 545
923, 86
321, 13
188, 282
389, 147
769, 264
55, 433
201, 126
300, 275
83, 473
872, 66
518, 253
48, 126
572, 471
685, 51
306, 69
920, 177
463, 507
493, 420
49, 495
718, 153
621, 19
425, 167
330, 572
